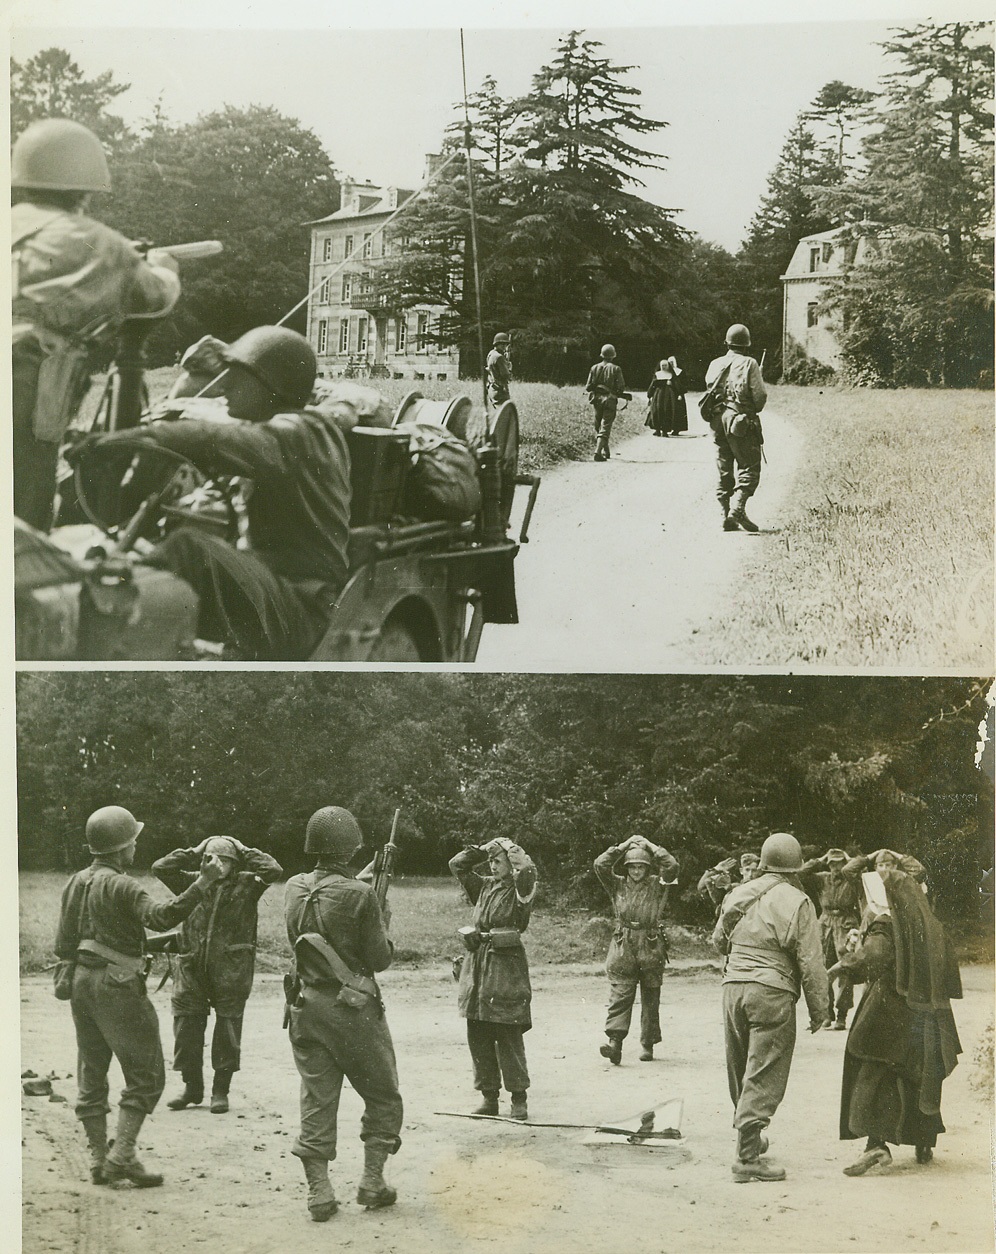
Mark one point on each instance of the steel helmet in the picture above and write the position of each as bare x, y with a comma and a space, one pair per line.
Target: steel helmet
781, 852
334, 833
111, 828
836, 855
637, 855
222, 847
738, 336
502, 338
280, 358
58, 155
607, 351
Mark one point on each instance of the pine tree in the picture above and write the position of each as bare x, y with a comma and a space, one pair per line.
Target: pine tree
51, 84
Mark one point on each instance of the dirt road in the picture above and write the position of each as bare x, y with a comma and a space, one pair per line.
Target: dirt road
464, 1186
627, 560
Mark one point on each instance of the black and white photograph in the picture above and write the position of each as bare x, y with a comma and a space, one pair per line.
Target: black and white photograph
500, 643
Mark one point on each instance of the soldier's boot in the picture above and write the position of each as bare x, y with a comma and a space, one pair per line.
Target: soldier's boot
647, 1053
95, 1127
519, 1108
121, 1166
489, 1106
729, 524
738, 515
219, 1092
612, 1049
193, 1091
373, 1191
750, 1164
322, 1204
840, 1023
602, 448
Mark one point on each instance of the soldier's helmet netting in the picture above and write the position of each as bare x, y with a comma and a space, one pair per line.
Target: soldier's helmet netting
333, 834
524, 876
223, 847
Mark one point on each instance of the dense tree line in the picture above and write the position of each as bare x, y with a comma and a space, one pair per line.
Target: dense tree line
704, 765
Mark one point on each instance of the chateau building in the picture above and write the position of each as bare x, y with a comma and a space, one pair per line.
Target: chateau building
350, 326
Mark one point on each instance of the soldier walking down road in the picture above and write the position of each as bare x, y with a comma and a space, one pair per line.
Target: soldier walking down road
102, 926
638, 950
217, 946
605, 387
840, 911
769, 931
494, 991
741, 395
74, 282
338, 1029
499, 370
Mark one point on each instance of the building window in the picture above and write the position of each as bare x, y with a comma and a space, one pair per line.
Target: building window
814, 259
368, 246
827, 252
400, 335
323, 292
422, 333
323, 337
811, 316
327, 248
343, 335
347, 246
347, 288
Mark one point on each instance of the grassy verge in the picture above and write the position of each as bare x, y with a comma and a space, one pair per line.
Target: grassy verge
425, 916
885, 549
555, 422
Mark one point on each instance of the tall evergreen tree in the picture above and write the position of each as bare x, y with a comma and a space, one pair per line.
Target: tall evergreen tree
51, 84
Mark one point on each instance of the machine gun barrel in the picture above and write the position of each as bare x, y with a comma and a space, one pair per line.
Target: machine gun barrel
384, 863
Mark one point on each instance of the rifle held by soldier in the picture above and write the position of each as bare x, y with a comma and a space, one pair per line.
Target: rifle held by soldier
383, 867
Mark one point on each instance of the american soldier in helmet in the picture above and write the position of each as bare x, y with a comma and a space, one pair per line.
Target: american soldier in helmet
271, 599
102, 931
741, 394
770, 935
636, 875
217, 957
338, 1029
74, 282
499, 369
605, 387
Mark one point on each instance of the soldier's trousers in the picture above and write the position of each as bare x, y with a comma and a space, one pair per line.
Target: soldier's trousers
188, 1042
114, 1018
497, 1051
605, 416
332, 1043
759, 1028
738, 460
241, 600
834, 941
622, 994
35, 460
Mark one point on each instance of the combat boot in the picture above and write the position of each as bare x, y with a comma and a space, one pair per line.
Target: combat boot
121, 1165
602, 449
95, 1127
647, 1053
489, 1106
756, 1169
519, 1109
742, 521
374, 1192
612, 1049
322, 1204
193, 1091
219, 1092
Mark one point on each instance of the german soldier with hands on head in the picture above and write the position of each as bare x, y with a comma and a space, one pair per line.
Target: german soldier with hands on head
102, 926
217, 958
637, 875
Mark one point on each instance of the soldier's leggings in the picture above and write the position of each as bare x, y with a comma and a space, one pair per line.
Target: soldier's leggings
188, 1043
114, 1018
759, 1027
497, 1050
331, 1043
35, 461
622, 994
738, 459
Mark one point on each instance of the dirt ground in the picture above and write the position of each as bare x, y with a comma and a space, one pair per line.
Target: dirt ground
643, 522
233, 1186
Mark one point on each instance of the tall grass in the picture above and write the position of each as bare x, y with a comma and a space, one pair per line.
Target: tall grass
426, 913
884, 553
